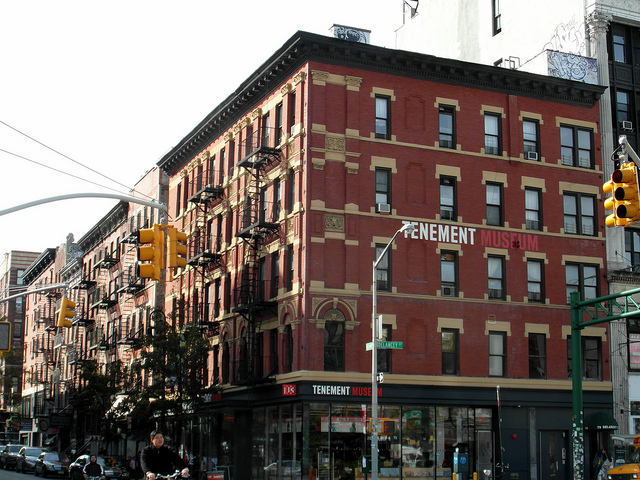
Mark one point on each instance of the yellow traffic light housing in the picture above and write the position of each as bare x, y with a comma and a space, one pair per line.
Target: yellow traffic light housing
625, 196
66, 312
151, 250
5, 336
177, 254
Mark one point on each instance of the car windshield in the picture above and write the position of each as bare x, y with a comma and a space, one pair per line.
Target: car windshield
32, 452
54, 457
107, 461
14, 448
635, 456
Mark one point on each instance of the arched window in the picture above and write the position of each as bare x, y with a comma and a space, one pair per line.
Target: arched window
334, 341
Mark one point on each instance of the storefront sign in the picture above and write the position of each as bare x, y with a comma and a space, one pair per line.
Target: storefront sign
343, 390
445, 233
634, 351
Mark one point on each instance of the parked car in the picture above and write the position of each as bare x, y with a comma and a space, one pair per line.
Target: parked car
9, 455
112, 468
51, 463
27, 457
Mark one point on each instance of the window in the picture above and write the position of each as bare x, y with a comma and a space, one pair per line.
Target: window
492, 134
292, 112
278, 126
619, 47
291, 197
383, 117
383, 270
537, 355
383, 190
448, 198
497, 19
178, 200
20, 277
496, 277
450, 352
497, 354
384, 354
333, 346
449, 274
623, 107
579, 214
273, 352
583, 278
277, 199
266, 131
222, 158
290, 263
535, 281
275, 274
591, 355
632, 248
446, 126
232, 153
288, 338
532, 210
494, 204
531, 144
576, 145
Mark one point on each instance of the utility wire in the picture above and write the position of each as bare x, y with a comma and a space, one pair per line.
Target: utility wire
57, 170
129, 189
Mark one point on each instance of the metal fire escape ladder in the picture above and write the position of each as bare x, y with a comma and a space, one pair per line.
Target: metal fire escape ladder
256, 230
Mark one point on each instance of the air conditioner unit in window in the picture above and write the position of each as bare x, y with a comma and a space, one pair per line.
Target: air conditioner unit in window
532, 156
383, 208
627, 125
448, 292
295, 129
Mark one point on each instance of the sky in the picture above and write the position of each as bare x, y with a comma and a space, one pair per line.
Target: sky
94, 93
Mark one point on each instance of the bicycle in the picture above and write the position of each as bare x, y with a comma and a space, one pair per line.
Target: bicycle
174, 476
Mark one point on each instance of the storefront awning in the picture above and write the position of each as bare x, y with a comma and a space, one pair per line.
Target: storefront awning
600, 421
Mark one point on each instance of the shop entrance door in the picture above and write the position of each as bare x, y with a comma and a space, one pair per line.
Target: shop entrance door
554, 455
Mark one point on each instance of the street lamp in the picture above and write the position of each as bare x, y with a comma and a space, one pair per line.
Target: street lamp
406, 228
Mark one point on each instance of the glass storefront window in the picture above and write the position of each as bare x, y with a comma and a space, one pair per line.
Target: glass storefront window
418, 442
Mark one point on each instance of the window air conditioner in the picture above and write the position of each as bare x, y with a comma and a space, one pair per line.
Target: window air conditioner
448, 291
383, 208
532, 156
295, 129
627, 125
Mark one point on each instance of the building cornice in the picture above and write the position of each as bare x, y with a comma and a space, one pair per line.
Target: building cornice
105, 227
44, 261
307, 47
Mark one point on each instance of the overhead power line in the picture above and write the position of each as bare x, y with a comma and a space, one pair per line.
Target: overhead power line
129, 189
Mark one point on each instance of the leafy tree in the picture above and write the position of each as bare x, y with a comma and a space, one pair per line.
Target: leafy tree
168, 379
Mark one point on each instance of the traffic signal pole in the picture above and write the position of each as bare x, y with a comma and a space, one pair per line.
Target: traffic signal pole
583, 314
126, 198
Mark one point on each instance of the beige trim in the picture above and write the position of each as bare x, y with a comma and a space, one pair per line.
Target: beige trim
582, 259
444, 322
586, 332
533, 182
497, 177
536, 328
577, 123
493, 326
447, 101
578, 187
447, 171
383, 91
492, 109
532, 116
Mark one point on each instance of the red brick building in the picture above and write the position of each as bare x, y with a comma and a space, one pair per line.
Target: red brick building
292, 187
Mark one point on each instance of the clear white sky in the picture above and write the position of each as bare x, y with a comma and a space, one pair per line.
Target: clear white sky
114, 85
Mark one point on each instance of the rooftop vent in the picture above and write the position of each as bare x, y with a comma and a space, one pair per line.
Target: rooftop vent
352, 34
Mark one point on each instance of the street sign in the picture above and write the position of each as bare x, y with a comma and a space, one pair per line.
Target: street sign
386, 345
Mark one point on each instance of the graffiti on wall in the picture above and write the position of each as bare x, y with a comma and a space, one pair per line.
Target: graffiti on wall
568, 37
572, 67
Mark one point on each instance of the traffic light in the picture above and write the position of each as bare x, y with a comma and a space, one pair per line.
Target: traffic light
177, 254
625, 196
151, 250
66, 312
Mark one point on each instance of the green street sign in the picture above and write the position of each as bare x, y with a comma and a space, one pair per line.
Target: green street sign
386, 345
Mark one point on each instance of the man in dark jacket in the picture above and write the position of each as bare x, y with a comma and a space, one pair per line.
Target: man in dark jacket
93, 468
158, 459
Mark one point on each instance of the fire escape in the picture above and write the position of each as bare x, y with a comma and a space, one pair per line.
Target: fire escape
204, 245
257, 227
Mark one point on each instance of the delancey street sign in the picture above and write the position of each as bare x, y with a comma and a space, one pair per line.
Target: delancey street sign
387, 345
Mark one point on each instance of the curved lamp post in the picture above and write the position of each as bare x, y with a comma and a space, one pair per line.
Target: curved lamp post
406, 228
